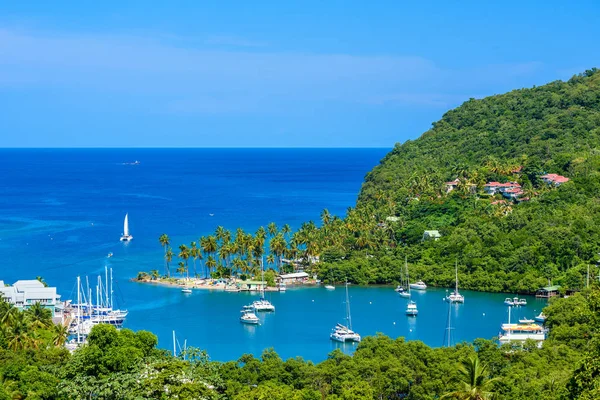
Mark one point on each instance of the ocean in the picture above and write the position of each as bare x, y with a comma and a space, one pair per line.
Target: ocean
62, 210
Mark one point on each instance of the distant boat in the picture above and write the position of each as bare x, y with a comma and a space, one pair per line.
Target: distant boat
126, 237
344, 333
109, 255
329, 287
411, 309
456, 297
136, 162
418, 285
186, 290
526, 321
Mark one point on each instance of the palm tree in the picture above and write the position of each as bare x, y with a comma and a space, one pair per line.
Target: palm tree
181, 269
286, 230
473, 381
154, 274
325, 217
184, 254
270, 259
8, 313
164, 242
211, 263
168, 258
38, 316
60, 334
272, 229
39, 278
18, 334
195, 254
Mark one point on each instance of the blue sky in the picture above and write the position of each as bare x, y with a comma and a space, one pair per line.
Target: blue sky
269, 73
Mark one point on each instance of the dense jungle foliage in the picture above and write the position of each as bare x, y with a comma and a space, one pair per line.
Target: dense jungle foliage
126, 365
500, 245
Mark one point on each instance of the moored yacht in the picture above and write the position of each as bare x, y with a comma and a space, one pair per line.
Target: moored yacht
344, 333
248, 316
455, 297
262, 304
420, 285
411, 309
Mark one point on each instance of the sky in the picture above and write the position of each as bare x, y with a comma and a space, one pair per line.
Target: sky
271, 73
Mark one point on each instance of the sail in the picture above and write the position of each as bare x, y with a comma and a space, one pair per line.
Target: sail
126, 226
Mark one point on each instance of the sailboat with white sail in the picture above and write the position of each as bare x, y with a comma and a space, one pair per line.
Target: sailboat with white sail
262, 304
126, 237
455, 297
344, 333
405, 292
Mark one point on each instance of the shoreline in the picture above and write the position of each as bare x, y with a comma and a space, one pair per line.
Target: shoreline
197, 283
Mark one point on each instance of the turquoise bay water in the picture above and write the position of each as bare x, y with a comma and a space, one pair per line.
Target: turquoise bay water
61, 212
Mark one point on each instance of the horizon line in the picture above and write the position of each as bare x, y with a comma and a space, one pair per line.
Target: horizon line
195, 148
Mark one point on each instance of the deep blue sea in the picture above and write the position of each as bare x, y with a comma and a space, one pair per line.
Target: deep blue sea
61, 213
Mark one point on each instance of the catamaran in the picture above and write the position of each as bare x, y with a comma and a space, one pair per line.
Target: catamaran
405, 292
126, 237
411, 309
263, 304
456, 297
344, 333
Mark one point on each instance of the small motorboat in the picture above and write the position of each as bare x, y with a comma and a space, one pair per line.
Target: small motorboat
541, 317
526, 321
399, 289
248, 316
509, 302
186, 290
329, 287
109, 255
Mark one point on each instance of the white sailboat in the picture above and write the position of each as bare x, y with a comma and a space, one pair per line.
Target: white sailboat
405, 292
263, 304
344, 333
126, 237
456, 297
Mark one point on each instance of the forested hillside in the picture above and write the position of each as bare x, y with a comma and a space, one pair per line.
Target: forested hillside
550, 232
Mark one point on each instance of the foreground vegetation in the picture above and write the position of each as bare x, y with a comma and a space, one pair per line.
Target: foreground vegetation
127, 365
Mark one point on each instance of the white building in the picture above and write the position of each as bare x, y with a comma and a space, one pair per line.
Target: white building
24, 294
294, 278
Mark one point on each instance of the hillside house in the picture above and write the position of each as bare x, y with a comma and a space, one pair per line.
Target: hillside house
450, 186
492, 188
429, 235
512, 193
554, 179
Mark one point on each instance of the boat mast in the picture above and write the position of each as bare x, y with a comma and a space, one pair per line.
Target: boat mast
174, 348
406, 270
456, 271
348, 316
106, 285
78, 310
111, 289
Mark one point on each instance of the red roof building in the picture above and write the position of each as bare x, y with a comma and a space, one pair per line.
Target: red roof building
554, 179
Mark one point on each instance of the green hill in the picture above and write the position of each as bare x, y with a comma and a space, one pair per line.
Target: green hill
549, 233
